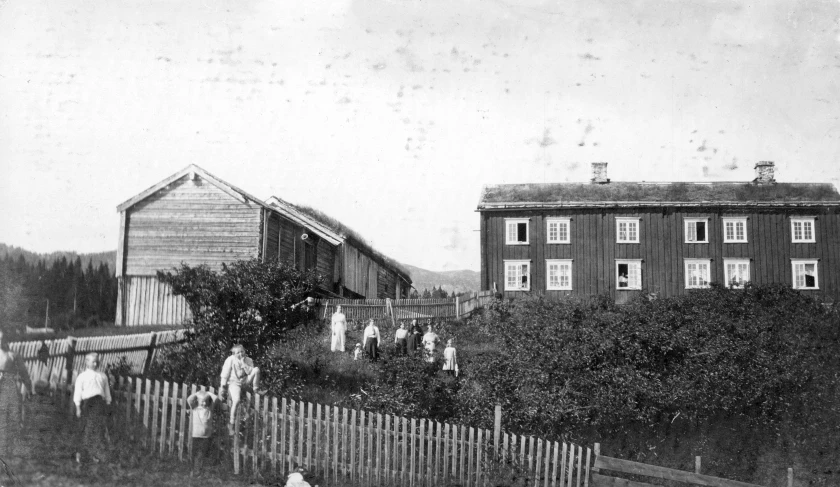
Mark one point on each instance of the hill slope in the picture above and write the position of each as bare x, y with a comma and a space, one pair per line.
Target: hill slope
458, 281
108, 257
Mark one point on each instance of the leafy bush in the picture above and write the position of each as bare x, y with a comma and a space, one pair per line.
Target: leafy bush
249, 302
565, 365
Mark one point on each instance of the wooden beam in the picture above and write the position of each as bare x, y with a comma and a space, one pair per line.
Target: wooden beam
626, 466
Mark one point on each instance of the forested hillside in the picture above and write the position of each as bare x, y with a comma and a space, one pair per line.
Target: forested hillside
62, 290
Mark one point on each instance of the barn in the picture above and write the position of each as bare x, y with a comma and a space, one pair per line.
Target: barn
196, 218
624, 238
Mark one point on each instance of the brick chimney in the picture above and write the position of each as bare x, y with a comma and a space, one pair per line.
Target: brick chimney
599, 173
764, 172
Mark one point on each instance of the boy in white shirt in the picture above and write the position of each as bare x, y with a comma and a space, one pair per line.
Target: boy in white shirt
238, 374
92, 395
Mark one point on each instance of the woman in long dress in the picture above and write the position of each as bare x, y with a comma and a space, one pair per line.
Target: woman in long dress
416, 338
12, 374
371, 343
339, 328
430, 340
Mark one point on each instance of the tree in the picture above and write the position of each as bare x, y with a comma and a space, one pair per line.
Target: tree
426, 294
414, 294
252, 303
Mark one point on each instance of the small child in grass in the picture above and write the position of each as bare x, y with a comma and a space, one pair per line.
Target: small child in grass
358, 353
203, 405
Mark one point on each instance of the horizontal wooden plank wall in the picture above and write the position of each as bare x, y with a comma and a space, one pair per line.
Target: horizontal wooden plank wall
189, 221
662, 249
50, 367
280, 435
144, 300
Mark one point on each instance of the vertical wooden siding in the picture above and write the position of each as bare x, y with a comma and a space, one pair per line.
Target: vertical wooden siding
143, 300
662, 248
189, 221
272, 244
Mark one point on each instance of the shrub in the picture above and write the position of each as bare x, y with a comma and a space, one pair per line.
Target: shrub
249, 302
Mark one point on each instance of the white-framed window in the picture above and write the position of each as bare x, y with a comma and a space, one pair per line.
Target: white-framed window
696, 230
557, 230
802, 229
516, 231
735, 230
558, 274
805, 274
627, 230
697, 273
736, 272
628, 274
517, 275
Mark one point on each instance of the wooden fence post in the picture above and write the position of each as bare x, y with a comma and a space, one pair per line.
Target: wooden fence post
597, 450
497, 429
151, 354
457, 307
697, 464
790, 478
71, 354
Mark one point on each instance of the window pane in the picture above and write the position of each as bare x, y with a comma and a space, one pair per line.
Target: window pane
522, 232
691, 232
810, 275
635, 276
730, 230
797, 230
633, 226
563, 231
701, 231
552, 231
622, 230
511, 232
807, 230
740, 229
565, 275
623, 275
553, 279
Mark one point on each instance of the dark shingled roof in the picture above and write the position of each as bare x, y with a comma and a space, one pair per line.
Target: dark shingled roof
655, 194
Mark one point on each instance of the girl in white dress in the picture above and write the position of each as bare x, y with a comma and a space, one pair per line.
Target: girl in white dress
339, 328
450, 359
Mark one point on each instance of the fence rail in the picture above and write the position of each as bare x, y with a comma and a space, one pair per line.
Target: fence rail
54, 362
407, 309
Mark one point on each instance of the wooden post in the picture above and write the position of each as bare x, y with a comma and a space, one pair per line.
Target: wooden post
151, 354
457, 308
790, 478
71, 354
597, 450
697, 464
497, 429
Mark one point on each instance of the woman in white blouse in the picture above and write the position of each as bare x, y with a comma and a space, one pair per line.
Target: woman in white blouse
371, 341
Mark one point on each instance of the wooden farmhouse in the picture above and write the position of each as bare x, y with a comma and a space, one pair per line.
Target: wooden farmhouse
195, 218
623, 238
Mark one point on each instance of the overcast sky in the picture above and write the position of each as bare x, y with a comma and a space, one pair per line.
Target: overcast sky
390, 115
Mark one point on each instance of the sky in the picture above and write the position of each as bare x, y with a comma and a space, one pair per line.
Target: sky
390, 115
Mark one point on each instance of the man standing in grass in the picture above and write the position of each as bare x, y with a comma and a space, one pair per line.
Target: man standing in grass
92, 395
238, 375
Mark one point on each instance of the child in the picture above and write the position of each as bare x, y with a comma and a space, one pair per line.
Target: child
203, 405
450, 359
238, 373
92, 396
357, 353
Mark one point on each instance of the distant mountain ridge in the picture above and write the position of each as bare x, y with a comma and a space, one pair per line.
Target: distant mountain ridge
457, 281
108, 257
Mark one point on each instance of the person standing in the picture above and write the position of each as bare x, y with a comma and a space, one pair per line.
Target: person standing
339, 329
12, 371
238, 375
430, 340
416, 338
450, 359
401, 339
92, 395
371, 341
203, 405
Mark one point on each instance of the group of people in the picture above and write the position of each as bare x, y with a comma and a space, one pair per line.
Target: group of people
407, 340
